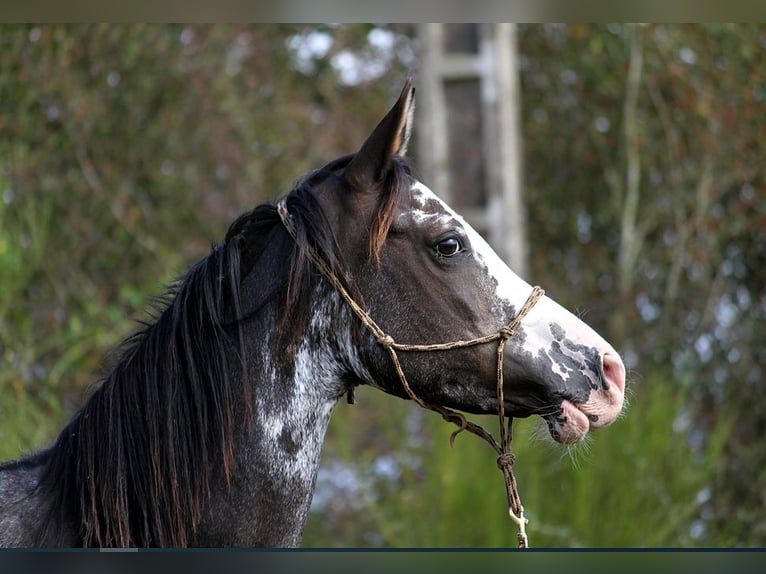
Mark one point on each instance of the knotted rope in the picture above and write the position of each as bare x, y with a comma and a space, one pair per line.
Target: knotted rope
505, 459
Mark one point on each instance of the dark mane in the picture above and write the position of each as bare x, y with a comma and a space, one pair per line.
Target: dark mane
134, 463
134, 466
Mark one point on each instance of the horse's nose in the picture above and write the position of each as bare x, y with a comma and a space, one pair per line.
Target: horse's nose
614, 371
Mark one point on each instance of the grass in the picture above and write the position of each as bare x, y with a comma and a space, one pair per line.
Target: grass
643, 482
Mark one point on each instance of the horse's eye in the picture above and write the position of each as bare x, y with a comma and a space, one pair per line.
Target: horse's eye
449, 247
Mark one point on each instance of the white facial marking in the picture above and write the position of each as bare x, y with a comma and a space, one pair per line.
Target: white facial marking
512, 289
573, 350
422, 217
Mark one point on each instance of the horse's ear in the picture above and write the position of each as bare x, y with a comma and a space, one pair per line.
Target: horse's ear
388, 139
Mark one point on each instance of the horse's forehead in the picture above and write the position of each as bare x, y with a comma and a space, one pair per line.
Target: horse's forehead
427, 206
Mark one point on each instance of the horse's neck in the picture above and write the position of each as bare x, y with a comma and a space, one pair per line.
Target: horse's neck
277, 464
266, 499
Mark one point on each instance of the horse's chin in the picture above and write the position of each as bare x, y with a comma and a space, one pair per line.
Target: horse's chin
568, 426
567, 423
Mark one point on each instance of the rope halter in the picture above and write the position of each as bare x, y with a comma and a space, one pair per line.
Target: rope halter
505, 459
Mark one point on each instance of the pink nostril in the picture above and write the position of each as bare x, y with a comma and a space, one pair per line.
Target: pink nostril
614, 370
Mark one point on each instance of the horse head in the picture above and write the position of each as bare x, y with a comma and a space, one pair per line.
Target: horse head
426, 276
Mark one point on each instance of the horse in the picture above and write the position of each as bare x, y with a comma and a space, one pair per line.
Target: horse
208, 430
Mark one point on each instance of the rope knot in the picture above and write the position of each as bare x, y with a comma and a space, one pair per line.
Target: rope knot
506, 460
506, 332
386, 340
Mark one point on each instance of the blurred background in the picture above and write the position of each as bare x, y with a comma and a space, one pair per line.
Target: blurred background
637, 198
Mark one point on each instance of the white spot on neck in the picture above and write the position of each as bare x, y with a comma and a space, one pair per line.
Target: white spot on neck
315, 388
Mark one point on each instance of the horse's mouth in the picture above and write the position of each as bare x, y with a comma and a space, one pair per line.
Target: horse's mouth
570, 424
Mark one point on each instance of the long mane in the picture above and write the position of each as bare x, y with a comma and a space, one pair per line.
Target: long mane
132, 468
135, 466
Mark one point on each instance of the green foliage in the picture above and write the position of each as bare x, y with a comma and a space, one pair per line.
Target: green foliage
644, 482
36, 398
